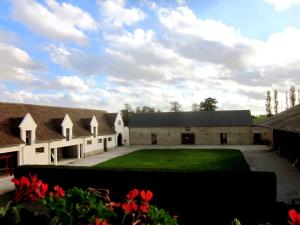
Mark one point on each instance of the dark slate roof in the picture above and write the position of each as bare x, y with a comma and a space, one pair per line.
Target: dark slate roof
48, 120
111, 118
193, 119
288, 120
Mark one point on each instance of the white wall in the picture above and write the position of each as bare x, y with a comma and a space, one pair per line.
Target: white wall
30, 157
119, 128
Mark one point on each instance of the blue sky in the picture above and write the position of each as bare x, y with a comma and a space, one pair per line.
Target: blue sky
104, 53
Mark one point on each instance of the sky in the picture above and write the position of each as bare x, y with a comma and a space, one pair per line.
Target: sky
102, 54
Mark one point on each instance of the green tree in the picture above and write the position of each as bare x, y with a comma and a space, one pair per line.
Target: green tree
209, 104
175, 106
126, 113
195, 107
276, 102
293, 96
268, 104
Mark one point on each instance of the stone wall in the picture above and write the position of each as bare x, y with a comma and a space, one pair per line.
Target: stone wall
203, 135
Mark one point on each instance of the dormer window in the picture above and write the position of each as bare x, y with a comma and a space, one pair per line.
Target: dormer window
28, 137
28, 129
68, 134
94, 126
119, 122
67, 126
94, 131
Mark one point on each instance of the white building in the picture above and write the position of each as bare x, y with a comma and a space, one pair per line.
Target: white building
33, 134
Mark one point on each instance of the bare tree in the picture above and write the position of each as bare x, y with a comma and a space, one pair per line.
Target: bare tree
268, 104
286, 100
276, 102
175, 106
293, 95
195, 107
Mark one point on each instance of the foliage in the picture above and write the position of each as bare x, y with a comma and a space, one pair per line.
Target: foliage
195, 107
258, 119
293, 96
209, 104
34, 204
145, 109
175, 106
126, 113
268, 104
275, 102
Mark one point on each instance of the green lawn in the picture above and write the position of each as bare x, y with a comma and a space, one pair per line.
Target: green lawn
181, 160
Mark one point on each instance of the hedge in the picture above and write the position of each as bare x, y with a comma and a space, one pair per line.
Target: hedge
197, 198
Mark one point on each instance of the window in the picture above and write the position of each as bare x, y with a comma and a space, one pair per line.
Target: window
28, 137
100, 140
187, 128
68, 134
109, 139
40, 150
89, 142
94, 131
119, 122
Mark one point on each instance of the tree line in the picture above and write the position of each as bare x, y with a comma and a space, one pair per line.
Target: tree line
209, 104
290, 101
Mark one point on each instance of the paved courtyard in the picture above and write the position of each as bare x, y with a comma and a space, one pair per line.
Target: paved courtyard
259, 158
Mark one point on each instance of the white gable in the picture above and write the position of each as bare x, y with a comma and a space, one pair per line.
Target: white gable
27, 124
67, 122
94, 122
119, 124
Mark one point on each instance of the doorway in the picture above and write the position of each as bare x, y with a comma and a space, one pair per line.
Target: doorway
154, 139
105, 144
188, 138
119, 139
223, 138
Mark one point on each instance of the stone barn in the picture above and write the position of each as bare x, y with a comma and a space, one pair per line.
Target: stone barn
231, 127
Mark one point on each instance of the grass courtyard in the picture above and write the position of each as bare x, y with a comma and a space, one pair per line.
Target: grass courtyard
225, 160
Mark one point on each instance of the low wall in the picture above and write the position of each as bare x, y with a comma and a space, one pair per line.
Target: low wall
197, 198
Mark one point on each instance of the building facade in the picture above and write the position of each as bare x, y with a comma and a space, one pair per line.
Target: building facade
45, 135
202, 128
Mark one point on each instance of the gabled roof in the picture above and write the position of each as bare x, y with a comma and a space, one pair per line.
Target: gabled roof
111, 118
48, 120
193, 119
288, 120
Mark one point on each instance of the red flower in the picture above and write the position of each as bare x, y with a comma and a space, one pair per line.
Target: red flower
97, 222
146, 196
132, 194
29, 189
58, 191
145, 207
294, 217
131, 205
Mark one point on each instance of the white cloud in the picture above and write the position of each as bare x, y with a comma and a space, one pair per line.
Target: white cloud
73, 83
63, 22
16, 64
116, 13
8, 37
281, 5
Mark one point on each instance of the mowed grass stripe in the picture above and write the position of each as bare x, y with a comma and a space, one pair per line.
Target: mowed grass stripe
181, 160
